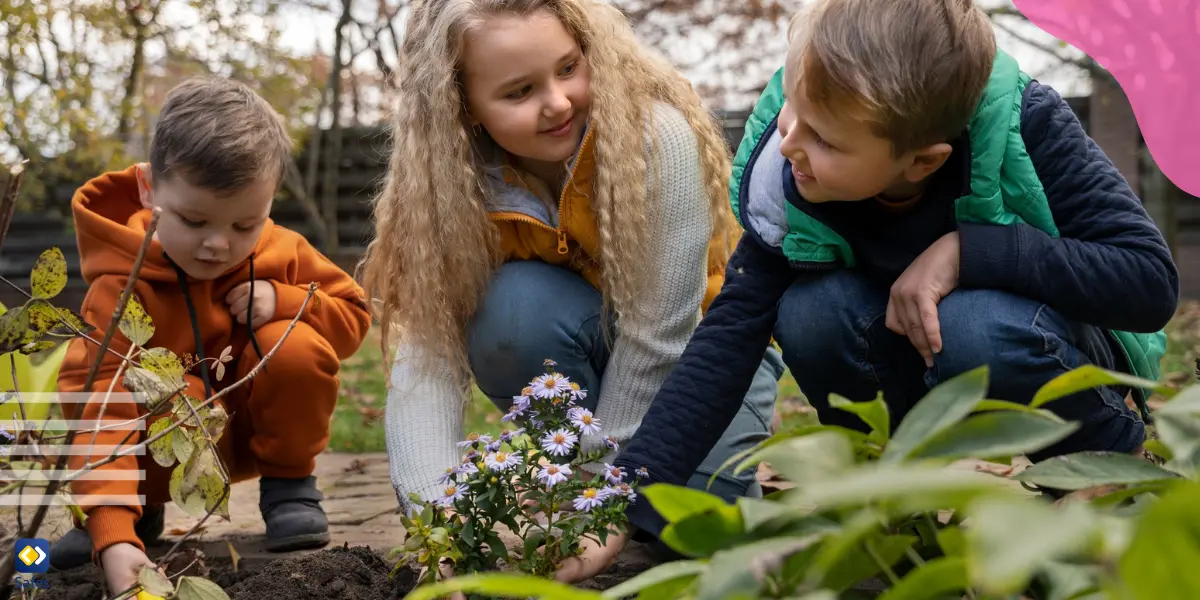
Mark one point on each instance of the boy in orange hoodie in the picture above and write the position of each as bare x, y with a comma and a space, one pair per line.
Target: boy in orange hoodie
219, 273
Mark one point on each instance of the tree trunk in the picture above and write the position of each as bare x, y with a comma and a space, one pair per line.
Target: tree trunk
333, 156
136, 65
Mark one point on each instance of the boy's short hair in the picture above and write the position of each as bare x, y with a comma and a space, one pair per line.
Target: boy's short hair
914, 69
219, 135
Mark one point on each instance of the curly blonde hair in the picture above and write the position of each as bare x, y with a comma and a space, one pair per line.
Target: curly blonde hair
435, 249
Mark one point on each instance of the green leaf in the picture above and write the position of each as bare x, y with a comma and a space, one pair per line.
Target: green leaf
183, 444
440, 536
162, 450
995, 405
1178, 425
512, 585
663, 573
216, 498
156, 390
874, 413
676, 503
196, 588
1069, 581
908, 488
937, 578
1088, 469
13, 326
703, 534
45, 318
1161, 559
135, 324
942, 407
155, 582
1088, 377
741, 571
413, 543
164, 363
995, 434
1009, 539
857, 564
953, 541
467, 535
810, 459
49, 275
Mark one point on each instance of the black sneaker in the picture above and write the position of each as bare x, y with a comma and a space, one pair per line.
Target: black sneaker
74, 549
291, 508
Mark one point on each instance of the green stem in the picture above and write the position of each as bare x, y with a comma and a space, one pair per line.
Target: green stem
915, 557
891, 575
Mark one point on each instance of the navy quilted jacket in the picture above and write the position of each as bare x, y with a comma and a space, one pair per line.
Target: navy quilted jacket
1110, 267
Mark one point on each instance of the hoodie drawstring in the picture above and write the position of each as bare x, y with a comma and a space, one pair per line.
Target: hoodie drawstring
196, 335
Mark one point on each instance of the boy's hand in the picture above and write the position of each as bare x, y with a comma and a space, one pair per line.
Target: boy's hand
264, 302
122, 563
592, 559
912, 306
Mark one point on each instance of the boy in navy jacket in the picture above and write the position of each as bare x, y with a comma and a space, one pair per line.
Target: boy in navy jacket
915, 207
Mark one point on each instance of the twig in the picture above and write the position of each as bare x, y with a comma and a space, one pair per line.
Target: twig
61, 463
123, 300
108, 395
8, 203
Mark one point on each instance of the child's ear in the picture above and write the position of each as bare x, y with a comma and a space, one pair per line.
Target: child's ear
927, 160
145, 185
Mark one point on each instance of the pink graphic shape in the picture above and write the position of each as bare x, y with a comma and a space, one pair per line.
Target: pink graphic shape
1152, 47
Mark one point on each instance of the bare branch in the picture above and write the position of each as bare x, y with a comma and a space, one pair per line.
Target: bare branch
8, 202
123, 301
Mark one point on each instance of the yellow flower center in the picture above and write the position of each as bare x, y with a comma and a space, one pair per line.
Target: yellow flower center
552, 470
473, 436
589, 493
501, 457
550, 383
450, 491
560, 438
574, 386
587, 419
526, 391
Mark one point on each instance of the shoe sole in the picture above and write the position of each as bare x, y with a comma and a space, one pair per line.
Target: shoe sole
298, 542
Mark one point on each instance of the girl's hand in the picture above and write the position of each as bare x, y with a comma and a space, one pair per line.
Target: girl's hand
122, 563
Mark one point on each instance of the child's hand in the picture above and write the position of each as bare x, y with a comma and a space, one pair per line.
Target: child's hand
912, 307
122, 563
264, 302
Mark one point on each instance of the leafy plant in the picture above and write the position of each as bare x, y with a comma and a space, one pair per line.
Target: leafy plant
900, 506
183, 431
531, 480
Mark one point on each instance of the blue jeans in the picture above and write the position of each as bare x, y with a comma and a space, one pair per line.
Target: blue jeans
533, 311
834, 338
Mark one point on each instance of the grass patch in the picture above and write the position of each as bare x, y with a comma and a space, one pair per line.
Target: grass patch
358, 420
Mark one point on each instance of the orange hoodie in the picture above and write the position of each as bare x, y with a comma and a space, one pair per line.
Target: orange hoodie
110, 225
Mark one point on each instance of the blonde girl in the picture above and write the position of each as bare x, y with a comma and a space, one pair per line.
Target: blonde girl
554, 191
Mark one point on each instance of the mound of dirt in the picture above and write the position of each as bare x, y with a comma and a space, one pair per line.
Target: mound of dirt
343, 573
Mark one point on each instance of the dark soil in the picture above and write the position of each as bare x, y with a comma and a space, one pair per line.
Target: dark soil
341, 573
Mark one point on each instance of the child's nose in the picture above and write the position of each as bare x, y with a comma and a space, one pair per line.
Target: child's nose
216, 242
557, 102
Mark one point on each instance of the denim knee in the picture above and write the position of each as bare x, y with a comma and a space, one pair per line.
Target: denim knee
823, 321
1025, 344
533, 311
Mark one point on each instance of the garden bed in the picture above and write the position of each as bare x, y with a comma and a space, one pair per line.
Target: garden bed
342, 572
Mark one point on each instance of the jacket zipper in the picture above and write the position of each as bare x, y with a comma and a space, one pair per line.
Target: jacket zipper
562, 203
